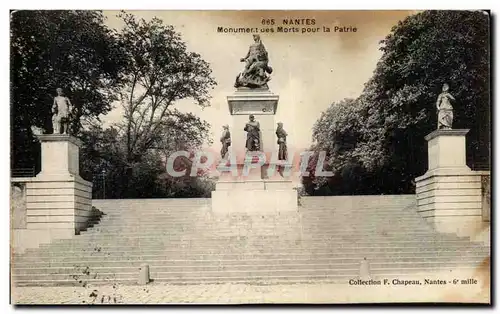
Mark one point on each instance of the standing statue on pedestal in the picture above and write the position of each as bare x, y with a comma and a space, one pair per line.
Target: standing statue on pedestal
253, 135
256, 70
60, 113
282, 148
445, 109
225, 139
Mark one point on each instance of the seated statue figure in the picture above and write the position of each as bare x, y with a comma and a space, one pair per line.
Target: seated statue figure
256, 70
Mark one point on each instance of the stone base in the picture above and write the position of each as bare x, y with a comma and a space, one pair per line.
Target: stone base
57, 207
254, 196
22, 239
463, 226
59, 203
451, 200
60, 154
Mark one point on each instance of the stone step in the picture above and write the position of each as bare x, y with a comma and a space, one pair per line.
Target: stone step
183, 231
338, 223
159, 275
303, 207
312, 206
261, 280
103, 235
291, 215
372, 198
312, 228
302, 210
84, 269
198, 255
309, 227
300, 215
327, 209
238, 244
219, 280
152, 201
210, 253
163, 261
351, 220
382, 242
246, 240
375, 200
268, 230
239, 235
76, 256
191, 230
253, 233
354, 203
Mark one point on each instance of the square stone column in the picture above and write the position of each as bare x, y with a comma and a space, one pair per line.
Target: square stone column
446, 150
60, 155
254, 192
449, 193
58, 200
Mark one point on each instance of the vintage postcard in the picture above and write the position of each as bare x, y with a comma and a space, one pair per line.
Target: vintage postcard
250, 157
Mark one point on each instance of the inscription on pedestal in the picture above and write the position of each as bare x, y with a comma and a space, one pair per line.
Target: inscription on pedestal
252, 107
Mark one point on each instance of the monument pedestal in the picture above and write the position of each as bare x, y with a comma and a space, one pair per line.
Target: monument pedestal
261, 103
58, 200
449, 193
254, 196
253, 191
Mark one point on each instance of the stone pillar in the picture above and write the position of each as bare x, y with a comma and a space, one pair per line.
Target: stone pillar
255, 192
58, 201
60, 155
449, 193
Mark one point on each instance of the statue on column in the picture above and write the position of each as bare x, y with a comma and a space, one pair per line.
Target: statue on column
61, 113
225, 139
282, 148
256, 70
252, 128
445, 109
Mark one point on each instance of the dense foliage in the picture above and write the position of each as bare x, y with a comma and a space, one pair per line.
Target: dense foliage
375, 143
144, 68
73, 50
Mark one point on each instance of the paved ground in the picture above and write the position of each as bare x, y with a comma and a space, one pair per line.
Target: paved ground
246, 294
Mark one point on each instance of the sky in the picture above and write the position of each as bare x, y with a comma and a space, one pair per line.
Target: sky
311, 70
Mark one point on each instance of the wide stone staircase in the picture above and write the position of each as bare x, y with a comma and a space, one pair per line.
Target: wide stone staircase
183, 242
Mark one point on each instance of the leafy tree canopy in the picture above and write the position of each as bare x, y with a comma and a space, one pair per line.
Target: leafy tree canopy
382, 131
73, 50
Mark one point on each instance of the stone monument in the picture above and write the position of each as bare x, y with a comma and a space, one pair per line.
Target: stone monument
253, 107
59, 201
449, 193
255, 74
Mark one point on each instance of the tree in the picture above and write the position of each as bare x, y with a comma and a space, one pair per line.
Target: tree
104, 154
422, 53
69, 49
133, 152
381, 133
161, 72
